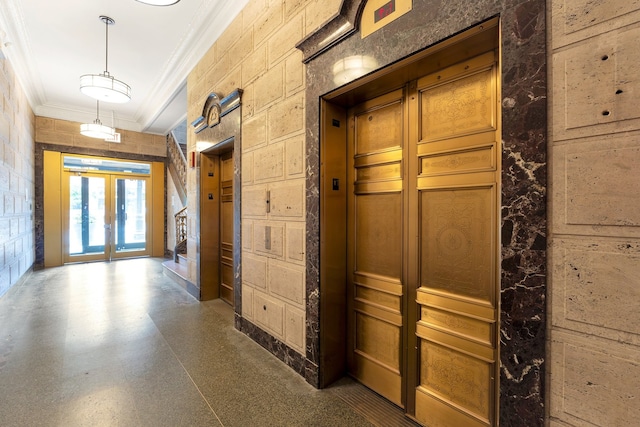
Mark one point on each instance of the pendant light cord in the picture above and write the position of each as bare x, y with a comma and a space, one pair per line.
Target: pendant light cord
98, 113
107, 21
106, 49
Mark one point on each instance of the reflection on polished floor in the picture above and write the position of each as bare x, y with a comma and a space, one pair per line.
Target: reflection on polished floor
119, 343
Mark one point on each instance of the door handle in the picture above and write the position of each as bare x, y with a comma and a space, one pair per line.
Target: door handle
107, 226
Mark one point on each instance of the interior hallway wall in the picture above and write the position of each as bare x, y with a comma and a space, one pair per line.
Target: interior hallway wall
257, 54
594, 258
17, 129
279, 137
67, 133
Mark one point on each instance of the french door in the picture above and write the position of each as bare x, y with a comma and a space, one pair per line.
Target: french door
105, 216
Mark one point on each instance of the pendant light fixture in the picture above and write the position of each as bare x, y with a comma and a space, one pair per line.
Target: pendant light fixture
159, 2
104, 87
97, 129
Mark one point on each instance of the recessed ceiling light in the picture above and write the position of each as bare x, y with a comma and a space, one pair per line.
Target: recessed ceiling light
159, 2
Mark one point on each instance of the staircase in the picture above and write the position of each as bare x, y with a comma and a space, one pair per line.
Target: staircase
177, 161
177, 164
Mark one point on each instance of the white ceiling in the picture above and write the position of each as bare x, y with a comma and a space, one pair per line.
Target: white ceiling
51, 43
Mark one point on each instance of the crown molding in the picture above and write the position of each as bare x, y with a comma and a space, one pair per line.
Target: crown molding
206, 27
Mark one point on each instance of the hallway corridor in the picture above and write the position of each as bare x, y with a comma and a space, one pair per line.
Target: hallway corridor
106, 344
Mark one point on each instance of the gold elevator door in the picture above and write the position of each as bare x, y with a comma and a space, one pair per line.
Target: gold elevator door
375, 263
226, 228
423, 169
217, 226
456, 173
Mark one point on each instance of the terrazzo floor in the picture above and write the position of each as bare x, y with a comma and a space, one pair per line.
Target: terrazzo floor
121, 344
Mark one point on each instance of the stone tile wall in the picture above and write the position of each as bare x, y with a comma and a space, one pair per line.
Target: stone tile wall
257, 54
594, 258
17, 130
66, 133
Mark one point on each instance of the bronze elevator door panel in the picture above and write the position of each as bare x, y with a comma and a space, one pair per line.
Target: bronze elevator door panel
226, 228
454, 153
423, 167
375, 244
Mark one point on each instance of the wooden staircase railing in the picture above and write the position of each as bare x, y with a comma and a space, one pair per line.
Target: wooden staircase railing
181, 233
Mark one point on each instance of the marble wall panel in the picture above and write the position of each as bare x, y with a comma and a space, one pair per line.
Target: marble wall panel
294, 328
286, 282
269, 313
295, 243
281, 42
287, 199
247, 167
577, 20
593, 186
254, 132
247, 235
294, 73
271, 163
598, 190
286, 117
247, 302
594, 83
254, 270
593, 381
21, 182
594, 251
268, 22
254, 201
595, 285
294, 156
269, 87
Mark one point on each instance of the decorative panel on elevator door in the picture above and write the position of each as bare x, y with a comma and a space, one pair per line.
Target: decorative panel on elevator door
457, 242
463, 106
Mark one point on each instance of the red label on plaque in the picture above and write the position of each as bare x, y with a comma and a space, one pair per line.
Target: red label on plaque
384, 11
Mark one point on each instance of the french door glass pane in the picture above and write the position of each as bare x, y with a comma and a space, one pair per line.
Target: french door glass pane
130, 227
86, 215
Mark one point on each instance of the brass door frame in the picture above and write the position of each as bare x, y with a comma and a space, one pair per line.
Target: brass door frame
53, 198
333, 167
212, 192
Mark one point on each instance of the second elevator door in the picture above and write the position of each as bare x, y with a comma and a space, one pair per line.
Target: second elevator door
226, 227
